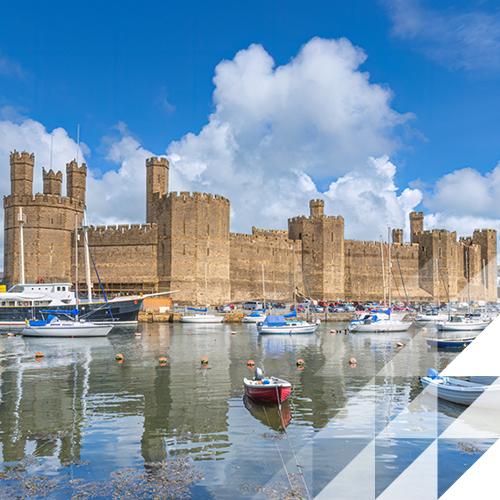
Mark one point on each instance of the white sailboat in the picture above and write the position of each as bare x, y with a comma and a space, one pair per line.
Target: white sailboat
203, 317
381, 323
54, 326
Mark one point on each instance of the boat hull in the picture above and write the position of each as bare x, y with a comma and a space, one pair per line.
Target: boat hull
69, 331
253, 319
123, 312
450, 343
287, 329
463, 393
451, 326
201, 318
270, 393
382, 326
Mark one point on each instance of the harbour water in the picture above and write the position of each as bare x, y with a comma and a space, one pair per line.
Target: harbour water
78, 423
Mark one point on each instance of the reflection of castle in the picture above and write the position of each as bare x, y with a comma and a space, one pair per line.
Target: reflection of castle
187, 235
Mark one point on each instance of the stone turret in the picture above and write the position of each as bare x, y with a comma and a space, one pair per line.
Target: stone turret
416, 224
317, 207
156, 185
397, 236
52, 182
21, 173
76, 181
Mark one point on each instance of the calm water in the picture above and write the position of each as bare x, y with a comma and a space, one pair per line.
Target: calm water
79, 424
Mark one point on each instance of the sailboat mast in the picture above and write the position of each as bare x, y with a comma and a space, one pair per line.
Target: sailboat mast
467, 276
87, 261
206, 288
263, 287
76, 264
437, 279
484, 280
22, 219
389, 264
383, 271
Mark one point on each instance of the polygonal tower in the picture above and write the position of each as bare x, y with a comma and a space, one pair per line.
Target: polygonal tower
156, 185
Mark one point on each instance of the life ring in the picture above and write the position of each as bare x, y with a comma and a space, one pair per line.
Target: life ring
26, 303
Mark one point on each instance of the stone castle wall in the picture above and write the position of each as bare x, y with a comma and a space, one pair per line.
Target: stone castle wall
186, 245
269, 253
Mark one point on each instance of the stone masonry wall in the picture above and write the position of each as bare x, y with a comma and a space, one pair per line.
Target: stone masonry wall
280, 257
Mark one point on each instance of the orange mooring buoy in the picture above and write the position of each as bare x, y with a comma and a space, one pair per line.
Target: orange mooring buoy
119, 357
250, 363
204, 360
162, 360
353, 361
137, 334
300, 362
38, 355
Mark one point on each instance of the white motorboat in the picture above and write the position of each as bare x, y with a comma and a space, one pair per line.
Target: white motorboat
461, 392
463, 324
56, 327
372, 323
279, 325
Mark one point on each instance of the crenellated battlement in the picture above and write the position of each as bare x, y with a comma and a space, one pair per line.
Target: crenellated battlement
315, 219
47, 200
195, 195
16, 157
274, 232
156, 160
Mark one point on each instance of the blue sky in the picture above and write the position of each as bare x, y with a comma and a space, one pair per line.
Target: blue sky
378, 107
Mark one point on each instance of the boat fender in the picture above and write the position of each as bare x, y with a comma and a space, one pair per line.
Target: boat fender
266, 381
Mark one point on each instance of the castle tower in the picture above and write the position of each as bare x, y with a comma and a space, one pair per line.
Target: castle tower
76, 181
49, 225
52, 183
416, 224
21, 173
397, 236
156, 185
317, 207
487, 241
322, 251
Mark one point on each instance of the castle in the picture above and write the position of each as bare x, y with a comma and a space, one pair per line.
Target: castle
186, 245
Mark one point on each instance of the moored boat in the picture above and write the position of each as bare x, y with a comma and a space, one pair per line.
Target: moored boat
269, 389
463, 324
27, 301
279, 325
256, 316
53, 326
372, 323
450, 343
461, 392
200, 318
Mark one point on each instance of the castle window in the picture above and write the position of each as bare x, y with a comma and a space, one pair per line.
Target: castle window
183, 249
52, 221
300, 236
208, 251
184, 227
208, 229
440, 252
313, 238
332, 237
159, 179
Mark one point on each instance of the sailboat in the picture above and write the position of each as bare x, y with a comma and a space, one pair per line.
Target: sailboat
378, 323
201, 318
54, 326
258, 315
434, 314
467, 322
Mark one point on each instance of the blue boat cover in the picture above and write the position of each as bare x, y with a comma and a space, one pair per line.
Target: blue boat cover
275, 321
291, 315
74, 312
431, 373
194, 309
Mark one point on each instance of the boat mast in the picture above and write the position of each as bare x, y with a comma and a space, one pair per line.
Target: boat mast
76, 264
467, 276
263, 288
206, 288
484, 280
87, 261
389, 266
383, 271
437, 278
21, 219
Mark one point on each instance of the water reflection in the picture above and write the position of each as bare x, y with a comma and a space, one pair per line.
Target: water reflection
79, 404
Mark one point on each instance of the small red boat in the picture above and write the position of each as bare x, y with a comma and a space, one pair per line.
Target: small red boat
273, 389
